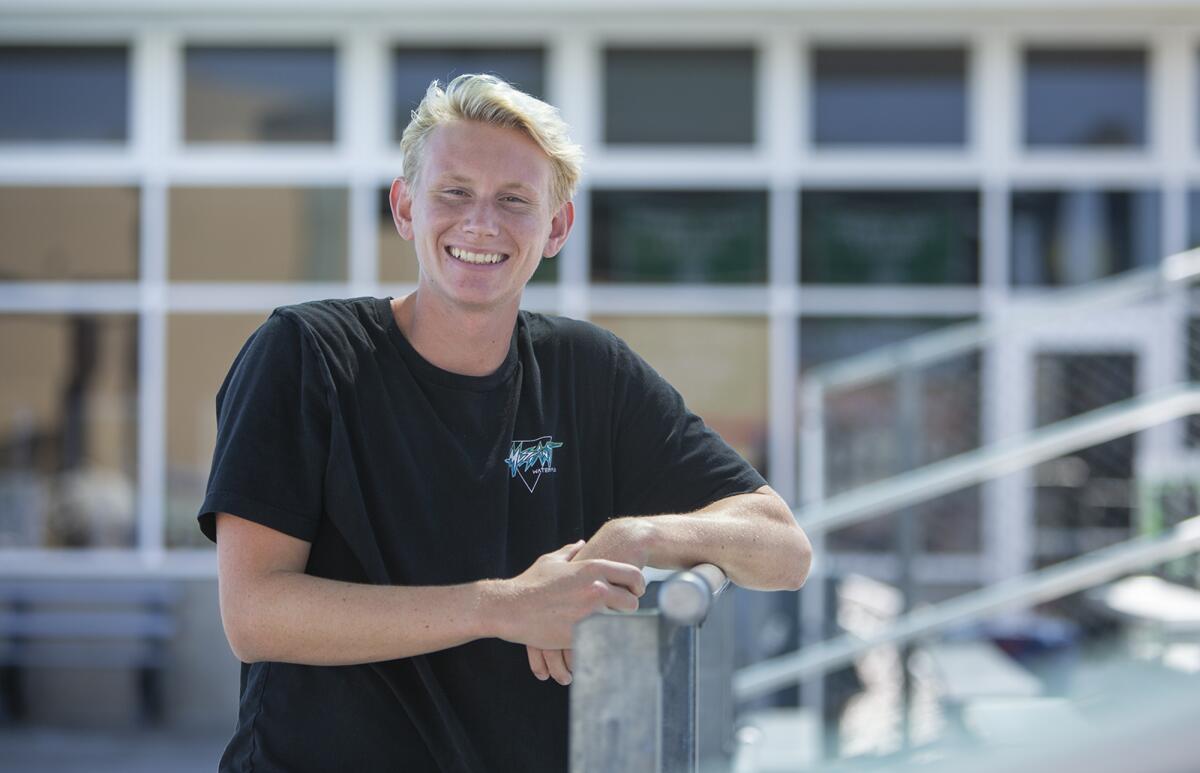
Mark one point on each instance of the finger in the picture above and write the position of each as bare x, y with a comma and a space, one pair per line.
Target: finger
620, 600
610, 597
625, 575
569, 657
537, 663
558, 666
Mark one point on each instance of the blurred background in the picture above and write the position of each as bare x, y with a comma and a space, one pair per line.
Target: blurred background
907, 258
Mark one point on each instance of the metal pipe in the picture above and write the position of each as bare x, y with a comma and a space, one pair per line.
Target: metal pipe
686, 597
1050, 442
1129, 287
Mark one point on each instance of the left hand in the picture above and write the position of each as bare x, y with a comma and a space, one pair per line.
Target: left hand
622, 539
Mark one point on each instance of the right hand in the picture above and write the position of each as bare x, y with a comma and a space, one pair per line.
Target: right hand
543, 603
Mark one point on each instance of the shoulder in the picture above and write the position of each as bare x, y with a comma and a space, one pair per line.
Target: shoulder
572, 337
332, 335
333, 316
334, 326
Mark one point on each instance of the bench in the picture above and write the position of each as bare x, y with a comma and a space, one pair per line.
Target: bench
88, 624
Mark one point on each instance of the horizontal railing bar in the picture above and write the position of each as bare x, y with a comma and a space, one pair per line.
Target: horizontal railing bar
990, 462
926, 349
1036, 587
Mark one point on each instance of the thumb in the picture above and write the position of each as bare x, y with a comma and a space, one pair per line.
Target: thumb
568, 551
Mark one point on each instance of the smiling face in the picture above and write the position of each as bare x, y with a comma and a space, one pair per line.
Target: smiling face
480, 215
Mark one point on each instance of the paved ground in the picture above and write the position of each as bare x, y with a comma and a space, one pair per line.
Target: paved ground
52, 750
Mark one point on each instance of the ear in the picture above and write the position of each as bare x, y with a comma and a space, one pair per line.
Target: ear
560, 228
401, 201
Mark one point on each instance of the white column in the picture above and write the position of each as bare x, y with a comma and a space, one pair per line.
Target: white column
155, 75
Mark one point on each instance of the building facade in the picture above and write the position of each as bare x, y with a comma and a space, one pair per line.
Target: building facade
767, 189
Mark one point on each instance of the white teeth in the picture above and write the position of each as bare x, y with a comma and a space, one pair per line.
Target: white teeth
476, 257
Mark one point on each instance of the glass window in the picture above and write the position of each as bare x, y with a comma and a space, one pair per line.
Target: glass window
68, 430
1085, 97
890, 96
258, 234
654, 96
55, 233
1192, 371
64, 93
414, 68
1193, 233
889, 237
200, 350
267, 94
718, 364
1069, 237
679, 236
873, 431
398, 257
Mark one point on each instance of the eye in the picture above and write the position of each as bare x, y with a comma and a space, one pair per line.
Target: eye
455, 192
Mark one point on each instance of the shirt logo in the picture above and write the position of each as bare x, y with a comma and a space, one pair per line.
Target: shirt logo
530, 459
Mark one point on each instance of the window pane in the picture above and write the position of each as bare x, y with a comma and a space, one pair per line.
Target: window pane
68, 233
1069, 237
873, 431
679, 96
68, 425
200, 350
1192, 369
679, 236
1194, 219
889, 237
414, 68
1093, 97
890, 96
398, 258
64, 93
718, 364
258, 234
259, 94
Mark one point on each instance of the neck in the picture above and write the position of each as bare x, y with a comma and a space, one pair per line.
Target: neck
470, 343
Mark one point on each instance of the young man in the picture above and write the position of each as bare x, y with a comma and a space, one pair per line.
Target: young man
415, 499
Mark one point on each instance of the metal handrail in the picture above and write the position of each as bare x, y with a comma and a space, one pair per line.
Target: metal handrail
1036, 587
1125, 288
633, 695
686, 597
1050, 442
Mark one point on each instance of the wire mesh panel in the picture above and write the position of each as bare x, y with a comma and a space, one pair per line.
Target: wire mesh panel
908, 419
1083, 500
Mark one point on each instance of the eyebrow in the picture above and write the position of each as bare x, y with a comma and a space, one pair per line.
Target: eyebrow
451, 177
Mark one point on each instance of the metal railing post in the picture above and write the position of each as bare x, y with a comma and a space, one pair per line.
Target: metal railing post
633, 691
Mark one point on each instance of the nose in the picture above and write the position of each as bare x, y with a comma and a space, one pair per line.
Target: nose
481, 219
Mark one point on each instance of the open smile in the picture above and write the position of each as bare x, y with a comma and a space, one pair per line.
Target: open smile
476, 258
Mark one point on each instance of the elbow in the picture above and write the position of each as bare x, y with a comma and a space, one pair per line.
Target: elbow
241, 640
243, 628
795, 552
799, 559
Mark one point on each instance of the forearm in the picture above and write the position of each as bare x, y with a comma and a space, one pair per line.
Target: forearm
297, 618
752, 537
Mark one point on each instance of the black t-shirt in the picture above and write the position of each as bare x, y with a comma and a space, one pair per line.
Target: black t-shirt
331, 428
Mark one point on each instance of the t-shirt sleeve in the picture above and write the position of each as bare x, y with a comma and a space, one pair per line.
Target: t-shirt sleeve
272, 434
665, 458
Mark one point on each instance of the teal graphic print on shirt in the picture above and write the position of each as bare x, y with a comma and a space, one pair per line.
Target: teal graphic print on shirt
529, 460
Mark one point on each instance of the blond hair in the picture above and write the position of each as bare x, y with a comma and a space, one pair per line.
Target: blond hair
488, 99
